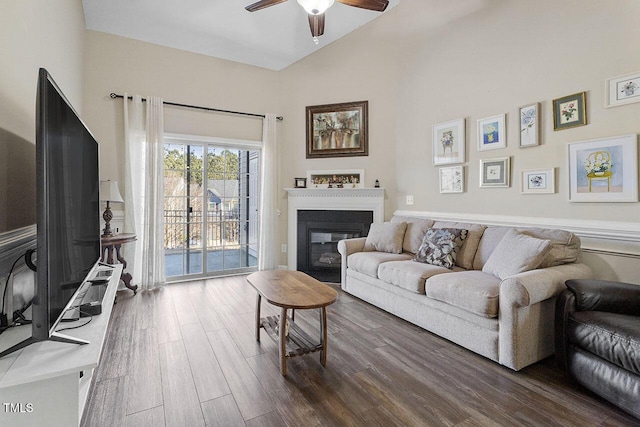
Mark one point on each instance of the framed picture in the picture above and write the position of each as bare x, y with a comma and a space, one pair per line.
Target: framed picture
353, 178
494, 172
570, 111
449, 142
541, 181
491, 133
529, 125
604, 170
301, 182
337, 130
452, 179
622, 90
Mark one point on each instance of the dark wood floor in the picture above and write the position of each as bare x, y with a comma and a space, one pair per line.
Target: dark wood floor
186, 355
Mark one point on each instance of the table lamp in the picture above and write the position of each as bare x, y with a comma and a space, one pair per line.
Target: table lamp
109, 193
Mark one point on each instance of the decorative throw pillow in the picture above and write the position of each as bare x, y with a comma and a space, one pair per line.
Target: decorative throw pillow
440, 246
516, 253
385, 237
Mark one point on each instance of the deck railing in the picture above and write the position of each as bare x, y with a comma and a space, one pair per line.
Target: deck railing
183, 229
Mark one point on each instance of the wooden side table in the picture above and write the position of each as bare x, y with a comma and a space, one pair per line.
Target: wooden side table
111, 244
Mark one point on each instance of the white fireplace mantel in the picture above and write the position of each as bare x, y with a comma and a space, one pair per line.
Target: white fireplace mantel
339, 199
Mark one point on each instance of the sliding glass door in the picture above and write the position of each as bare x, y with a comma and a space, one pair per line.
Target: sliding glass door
211, 206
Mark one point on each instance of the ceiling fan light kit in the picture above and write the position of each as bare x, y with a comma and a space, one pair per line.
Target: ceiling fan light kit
317, 8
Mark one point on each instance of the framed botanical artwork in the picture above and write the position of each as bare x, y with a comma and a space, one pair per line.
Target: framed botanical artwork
452, 179
494, 172
352, 178
622, 90
337, 130
529, 125
570, 111
449, 142
491, 133
540, 181
604, 170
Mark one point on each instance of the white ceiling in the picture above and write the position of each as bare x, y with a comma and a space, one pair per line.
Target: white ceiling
270, 38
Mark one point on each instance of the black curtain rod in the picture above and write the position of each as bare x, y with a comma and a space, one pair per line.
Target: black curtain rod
175, 104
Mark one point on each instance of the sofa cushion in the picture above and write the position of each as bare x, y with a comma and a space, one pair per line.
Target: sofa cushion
416, 229
386, 237
516, 253
408, 275
473, 291
467, 252
368, 262
611, 336
440, 246
565, 246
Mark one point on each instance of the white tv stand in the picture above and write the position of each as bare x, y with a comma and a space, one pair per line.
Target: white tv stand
47, 383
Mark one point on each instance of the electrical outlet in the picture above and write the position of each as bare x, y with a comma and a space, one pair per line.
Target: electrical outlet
409, 200
283, 248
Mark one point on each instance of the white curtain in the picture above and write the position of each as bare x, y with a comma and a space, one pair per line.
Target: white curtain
144, 190
268, 239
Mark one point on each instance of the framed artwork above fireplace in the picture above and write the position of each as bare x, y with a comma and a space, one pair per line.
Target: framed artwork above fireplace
338, 130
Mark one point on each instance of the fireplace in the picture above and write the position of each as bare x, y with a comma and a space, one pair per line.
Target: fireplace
341, 202
319, 232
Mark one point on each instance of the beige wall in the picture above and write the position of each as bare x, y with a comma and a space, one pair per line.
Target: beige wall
119, 65
33, 34
505, 55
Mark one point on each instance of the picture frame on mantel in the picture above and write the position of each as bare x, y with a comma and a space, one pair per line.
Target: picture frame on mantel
337, 130
343, 178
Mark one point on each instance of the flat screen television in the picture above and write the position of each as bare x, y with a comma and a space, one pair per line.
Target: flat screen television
68, 210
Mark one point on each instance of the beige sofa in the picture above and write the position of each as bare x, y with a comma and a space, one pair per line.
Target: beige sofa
500, 307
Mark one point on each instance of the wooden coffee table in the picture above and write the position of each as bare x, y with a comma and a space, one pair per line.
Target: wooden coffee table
292, 290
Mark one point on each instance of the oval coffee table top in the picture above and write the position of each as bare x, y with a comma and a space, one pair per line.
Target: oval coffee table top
292, 289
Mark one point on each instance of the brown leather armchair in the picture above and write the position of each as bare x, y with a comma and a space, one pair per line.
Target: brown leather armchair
597, 337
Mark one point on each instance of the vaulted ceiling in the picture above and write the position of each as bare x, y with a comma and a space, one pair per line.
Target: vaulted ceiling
271, 38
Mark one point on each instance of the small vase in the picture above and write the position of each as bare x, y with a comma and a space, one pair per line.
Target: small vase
598, 173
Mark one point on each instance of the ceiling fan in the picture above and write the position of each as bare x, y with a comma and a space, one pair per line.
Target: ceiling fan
317, 8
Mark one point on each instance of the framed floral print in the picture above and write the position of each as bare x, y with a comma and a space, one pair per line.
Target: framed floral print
337, 130
449, 142
541, 181
604, 170
529, 125
622, 90
570, 111
494, 172
452, 179
491, 133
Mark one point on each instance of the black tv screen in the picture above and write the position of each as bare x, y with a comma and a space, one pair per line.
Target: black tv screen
67, 203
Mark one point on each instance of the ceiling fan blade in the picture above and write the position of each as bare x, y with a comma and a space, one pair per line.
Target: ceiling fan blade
263, 4
316, 22
377, 5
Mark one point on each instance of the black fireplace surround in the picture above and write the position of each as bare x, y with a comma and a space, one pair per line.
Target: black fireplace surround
318, 234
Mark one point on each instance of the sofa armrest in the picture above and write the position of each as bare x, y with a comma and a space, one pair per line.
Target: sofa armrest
534, 286
604, 295
349, 246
